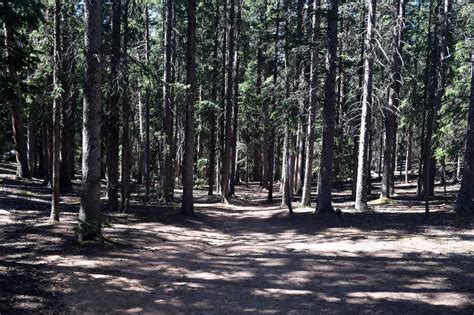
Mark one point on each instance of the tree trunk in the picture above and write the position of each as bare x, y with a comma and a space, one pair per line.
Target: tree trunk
114, 110
408, 158
229, 108
126, 163
465, 199
308, 175
363, 170
56, 113
187, 206
147, 161
394, 91
327, 152
22, 169
167, 171
235, 121
213, 118
89, 212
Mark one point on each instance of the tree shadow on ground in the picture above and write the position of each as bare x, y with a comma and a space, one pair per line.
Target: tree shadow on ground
245, 257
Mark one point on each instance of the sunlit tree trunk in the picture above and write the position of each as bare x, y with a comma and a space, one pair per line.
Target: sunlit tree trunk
465, 199
89, 212
187, 206
327, 148
167, 171
363, 170
308, 176
57, 101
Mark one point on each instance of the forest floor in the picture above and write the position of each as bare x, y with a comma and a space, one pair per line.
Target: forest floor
250, 256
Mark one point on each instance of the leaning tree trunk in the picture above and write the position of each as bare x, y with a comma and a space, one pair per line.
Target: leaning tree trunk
327, 147
394, 91
167, 171
465, 200
89, 212
113, 139
22, 169
187, 206
56, 113
363, 170
308, 175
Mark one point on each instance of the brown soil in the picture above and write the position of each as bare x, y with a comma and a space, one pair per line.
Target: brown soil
249, 256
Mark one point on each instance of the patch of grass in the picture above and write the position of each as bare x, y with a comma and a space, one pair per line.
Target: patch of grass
380, 202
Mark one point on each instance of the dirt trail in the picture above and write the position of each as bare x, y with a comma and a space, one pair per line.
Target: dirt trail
246, 257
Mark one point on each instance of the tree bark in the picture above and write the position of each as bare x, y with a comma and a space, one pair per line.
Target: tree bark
363, 170
187, 206
89, 212
126, 163
229, 108
235, 121
54, 216
167, 171
394, 91
327, 152
465, 198
114, 110
213, 118
308, 175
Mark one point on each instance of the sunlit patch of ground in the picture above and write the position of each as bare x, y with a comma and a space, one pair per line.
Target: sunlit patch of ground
249, 256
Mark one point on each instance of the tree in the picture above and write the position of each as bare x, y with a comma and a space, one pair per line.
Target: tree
363, 170
57, 110
465, 198
114, 110
327, 154
315, 34
187, 206
89, 212
126, 163
394, 99
228, 107
167, 170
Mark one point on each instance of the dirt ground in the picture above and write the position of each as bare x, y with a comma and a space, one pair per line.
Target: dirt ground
247, 257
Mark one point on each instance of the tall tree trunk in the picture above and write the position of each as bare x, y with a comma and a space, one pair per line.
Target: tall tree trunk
355, 137
147, 110
308, 175
113, 122
22, 169
213, 118
126, 163
56, 113
167, 171
235, 115
394, 91
465, 199
363, 170
187, 206
271, 146
327, 148
89, 212
229, 107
